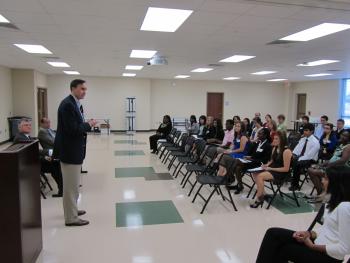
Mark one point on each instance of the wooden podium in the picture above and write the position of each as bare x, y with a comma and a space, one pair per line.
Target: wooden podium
20, 204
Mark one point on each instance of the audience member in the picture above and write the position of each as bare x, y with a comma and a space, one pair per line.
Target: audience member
340, 128
304, 155
273, 128
216, 132
340, 157
330, 243
228, 138
328, 142
268, 119
256, 115
320, 128
163, 131
192, 127
281, 123
259, 153
257, 127
248, 127
202, 125
277, 168
236, 119
304, 120
50, 165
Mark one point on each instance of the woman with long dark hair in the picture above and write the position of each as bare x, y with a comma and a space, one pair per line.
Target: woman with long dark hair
162, 133
331, 243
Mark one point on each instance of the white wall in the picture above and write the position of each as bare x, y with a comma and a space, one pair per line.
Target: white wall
5, 102
154, 98
105, 99
322, 98
184, 97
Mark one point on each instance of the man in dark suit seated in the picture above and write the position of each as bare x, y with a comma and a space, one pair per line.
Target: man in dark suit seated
46, 138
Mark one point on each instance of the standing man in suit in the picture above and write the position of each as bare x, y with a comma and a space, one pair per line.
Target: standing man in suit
70, 143
46, 138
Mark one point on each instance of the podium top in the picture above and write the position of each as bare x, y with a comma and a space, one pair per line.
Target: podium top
17, 147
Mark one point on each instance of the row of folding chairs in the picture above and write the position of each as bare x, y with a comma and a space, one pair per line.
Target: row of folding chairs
192, 157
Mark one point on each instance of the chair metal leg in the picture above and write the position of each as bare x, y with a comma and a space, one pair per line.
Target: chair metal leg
46, 181
193, 186
176, 167
223, 197
187, 179
207, 201
296, 199
42, 194
231, 199
195, 196
251, 189
179, 170
185, 176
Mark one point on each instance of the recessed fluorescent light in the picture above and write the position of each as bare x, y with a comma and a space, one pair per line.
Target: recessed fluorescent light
58, 64
263, 72
164, 19
316, 32
276, 79
182, 76
231, 78
129, 74
142, 53
71, 72
133, 67
201, 70
34, 49
317, 63
3, 19
318, 75
236, 58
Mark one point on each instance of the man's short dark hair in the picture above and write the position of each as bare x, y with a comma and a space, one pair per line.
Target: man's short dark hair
309, 126
324, 117
258, 120
281, 116
342, 121
306, 118
76, 82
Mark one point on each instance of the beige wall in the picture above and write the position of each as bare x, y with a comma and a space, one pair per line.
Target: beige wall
184, 97
322, 97
6, 107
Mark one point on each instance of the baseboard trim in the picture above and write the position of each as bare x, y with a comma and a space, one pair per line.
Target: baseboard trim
118, 131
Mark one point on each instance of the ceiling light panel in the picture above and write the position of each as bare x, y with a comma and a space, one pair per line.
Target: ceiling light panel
133, 67
317, 63
264, 72
236, 58
316, 32
34, 49
164, 19
71, 72
137, 53
58, 64
201, 70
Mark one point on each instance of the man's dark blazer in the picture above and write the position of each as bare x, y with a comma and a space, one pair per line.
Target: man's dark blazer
70, 141
21, 137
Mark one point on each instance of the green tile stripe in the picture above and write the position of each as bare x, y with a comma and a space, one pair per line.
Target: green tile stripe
133, 214
129, 153
288, 206
134, 172
132, 142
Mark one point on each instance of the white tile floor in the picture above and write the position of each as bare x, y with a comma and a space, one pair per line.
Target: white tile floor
219, 235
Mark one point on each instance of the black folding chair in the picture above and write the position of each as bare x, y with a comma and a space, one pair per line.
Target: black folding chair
319, 218
195, 156
184, 152
172, 140
179, 145
206, 165
215, 182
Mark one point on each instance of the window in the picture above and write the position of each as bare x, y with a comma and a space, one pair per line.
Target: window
345, 106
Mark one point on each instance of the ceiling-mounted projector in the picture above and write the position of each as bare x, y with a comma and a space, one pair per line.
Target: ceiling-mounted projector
157, 61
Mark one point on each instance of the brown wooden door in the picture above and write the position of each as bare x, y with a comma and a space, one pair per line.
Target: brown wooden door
42, 104
215, 105
301, 106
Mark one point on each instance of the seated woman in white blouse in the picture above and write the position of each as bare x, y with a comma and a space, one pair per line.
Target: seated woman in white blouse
330, 244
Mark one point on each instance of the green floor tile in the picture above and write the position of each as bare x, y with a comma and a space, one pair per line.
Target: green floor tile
288, 206
159, 176
134, 172
129, 153
146, 213
132, 142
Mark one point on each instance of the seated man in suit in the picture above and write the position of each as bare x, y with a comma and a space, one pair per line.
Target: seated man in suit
46, 138
24, 130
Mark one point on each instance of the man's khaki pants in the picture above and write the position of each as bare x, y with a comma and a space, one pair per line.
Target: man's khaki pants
71, 181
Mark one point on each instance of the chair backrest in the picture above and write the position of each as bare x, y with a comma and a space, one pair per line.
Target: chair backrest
318, 218
293, 139
230, 165
182, 141
177, 137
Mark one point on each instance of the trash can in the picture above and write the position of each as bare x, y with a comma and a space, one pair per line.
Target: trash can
13, 125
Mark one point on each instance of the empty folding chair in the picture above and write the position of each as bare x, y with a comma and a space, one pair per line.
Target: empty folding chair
215, 182
185, 152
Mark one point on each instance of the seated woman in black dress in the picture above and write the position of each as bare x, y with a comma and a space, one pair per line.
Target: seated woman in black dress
329, 243
259, 153
163, 131
277, 168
